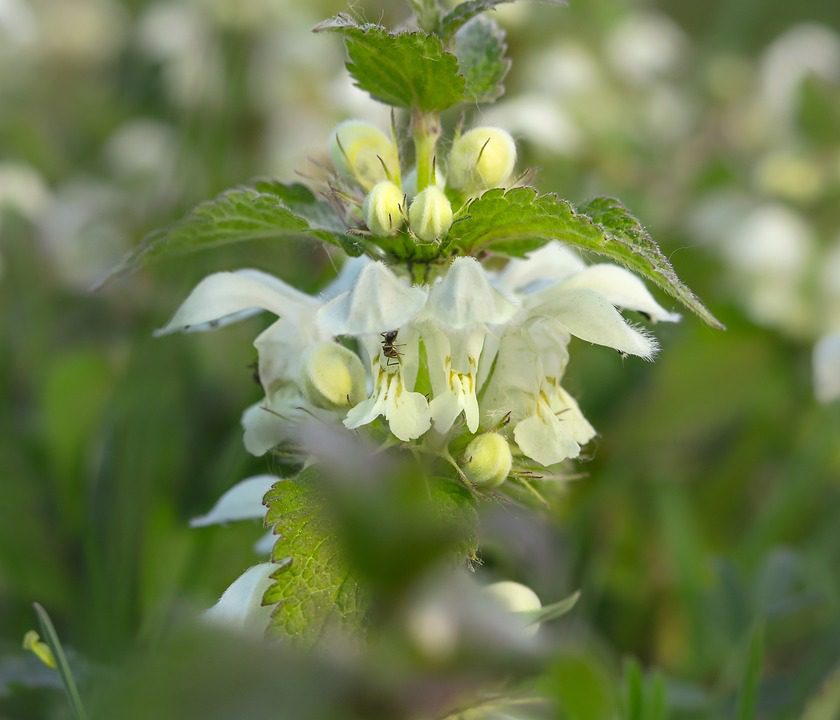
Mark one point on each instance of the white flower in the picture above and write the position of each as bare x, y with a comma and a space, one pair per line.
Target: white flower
547, 424
454, 328
242, 502
381, 302
827, 368
560, 297
241, 607
555, 264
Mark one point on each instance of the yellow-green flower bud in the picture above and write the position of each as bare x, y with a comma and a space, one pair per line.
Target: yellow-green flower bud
516, 598
487, 460
383, 209
480, 159
364, 153
333, 376
430, 214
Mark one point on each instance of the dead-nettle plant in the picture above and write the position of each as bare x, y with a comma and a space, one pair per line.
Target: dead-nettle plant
437, 355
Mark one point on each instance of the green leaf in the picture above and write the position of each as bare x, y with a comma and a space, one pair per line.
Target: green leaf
517, 221
269, 210
480, 48
406, 69
51, 638
556, 610
313, 586
748, 697
466, 11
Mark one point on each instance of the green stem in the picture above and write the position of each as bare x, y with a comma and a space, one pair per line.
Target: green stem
425, 128
51, 638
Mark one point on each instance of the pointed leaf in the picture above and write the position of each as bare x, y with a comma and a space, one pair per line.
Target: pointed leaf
553, 611
480, 47
313, 586
406, 69
519, 220
269, 210
63, 667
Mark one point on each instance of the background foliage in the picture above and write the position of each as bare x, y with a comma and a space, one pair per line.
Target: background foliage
703, 534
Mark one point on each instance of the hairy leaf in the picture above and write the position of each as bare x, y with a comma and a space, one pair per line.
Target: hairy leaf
480, 48
466, 11
313, 586
269, 210
406, 69
516, 221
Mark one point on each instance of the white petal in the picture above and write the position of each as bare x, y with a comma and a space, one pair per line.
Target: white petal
365, 412
445, 408
380, 301
827, 368
280, 347
545, 440
590, 316
465, 297
347, 277
407, 413
265, 544
574, 423
263, 430
229, 296
623, 289
242, 502
240, 606
551, 263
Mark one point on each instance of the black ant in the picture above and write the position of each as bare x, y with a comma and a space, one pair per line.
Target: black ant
389, 349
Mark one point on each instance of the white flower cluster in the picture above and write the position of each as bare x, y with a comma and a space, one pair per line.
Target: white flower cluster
464, 354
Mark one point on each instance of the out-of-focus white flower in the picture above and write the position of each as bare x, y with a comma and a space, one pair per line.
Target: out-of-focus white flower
826, 362
516, 598
790, 176
769, 249
829, 281
539, 119
646, 46
142, 149
85, 31
240, 607
18, 25
22, 190
83, 231
566, 70
803, 49
180, 36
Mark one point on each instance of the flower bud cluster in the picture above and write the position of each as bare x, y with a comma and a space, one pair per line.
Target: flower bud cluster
480, 159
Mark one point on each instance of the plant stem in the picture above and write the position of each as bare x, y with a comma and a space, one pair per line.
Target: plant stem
51, 638
425, 128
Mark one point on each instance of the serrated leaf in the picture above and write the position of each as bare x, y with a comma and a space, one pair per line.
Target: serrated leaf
466, 11
270, 210
313, 586
406, 69
517, 221
480, 48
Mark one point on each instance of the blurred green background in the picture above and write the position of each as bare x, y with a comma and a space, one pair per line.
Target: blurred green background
706, 527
